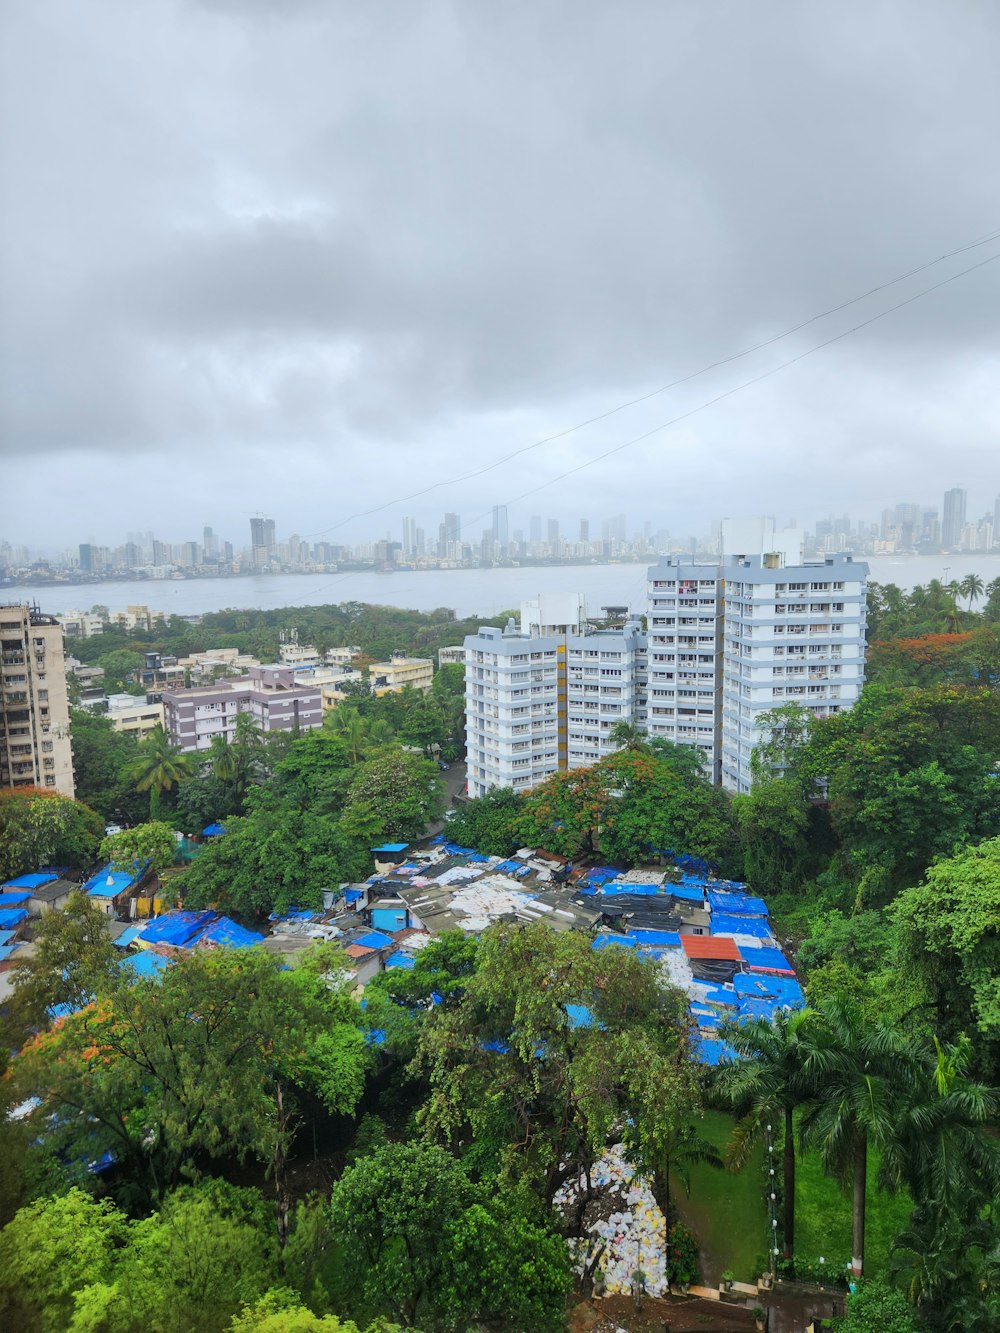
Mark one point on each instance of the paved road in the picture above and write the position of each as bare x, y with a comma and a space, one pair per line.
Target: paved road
454, 781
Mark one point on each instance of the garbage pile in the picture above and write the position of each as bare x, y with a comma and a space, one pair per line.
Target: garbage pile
624, 1220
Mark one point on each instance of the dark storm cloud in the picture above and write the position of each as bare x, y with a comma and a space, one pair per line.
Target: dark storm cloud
392, 240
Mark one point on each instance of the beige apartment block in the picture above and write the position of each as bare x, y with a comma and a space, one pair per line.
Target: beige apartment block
133, 715
400, 671
34, 707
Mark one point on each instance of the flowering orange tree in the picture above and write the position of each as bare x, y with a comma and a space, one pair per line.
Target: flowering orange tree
202, 1061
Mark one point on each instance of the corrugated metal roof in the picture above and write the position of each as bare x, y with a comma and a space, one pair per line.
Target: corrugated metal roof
710, 946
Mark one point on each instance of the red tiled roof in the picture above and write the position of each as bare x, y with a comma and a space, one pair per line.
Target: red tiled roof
710, 946
358, 951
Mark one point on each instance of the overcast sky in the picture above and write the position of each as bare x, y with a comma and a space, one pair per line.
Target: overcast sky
308, 256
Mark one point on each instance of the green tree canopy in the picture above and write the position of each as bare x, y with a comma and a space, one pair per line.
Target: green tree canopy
550, 1046
39, 828
133, 1073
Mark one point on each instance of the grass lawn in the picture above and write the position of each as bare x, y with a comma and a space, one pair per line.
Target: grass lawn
823, 1217
728, 1215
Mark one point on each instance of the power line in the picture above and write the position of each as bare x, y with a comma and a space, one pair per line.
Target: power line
745, 384
664, 388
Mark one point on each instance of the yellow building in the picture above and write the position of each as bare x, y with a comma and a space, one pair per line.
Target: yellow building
133, 715
400, 671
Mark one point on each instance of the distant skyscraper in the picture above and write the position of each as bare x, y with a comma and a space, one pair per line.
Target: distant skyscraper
87, 561
535, 530
409, 536
584, 529
211, 544
954, 518
996, 522
500, 537
553, 528
262, 538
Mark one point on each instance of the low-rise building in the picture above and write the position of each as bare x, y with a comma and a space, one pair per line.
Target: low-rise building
454, 655
400, 671
271, 695
133, 715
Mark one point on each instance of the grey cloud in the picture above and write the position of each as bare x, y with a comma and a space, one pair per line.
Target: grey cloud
402, 234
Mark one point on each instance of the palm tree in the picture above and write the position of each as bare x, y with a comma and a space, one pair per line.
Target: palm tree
971, 587
349, 725
860, 1071
158, 767
768, 1083
940, 1149
626, 736
678, 1149
221, 759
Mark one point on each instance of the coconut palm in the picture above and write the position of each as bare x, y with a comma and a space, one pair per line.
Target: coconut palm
349, 725
765, 1086
971, 587
626, 736
859, 1071
158, 767
940, 1149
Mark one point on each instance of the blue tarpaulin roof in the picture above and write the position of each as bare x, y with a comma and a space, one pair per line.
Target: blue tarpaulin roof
579, 1016
705, 1017
606, 941
108, 883
175, 927
721, 995
6, 936
146, 965
766, 960
352, 895
213, 830
130, 935
8, 950
14, 897
759, 986
694, 893
391, 847
12, 916
400, 959
616, 888
31, 881
375, 1037
375, 939
711, 1051
495, 1045
667, 938
230, 934
736, 904
720, 924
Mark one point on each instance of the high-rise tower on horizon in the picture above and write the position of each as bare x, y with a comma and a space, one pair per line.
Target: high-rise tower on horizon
954, 518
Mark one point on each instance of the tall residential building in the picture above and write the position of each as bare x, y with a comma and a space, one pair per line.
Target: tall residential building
792, 633
34, 708
605, 685
535, 530
953, 522
409, 537
553, 532
726, 642
684, 615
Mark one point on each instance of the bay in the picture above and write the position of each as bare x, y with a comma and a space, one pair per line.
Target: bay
468, 592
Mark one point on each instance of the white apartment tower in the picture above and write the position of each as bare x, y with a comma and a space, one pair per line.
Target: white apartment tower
726, 642
605, 685
35, 748
793, 633
685, 657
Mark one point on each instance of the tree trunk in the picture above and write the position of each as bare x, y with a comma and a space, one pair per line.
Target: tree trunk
789, 1184
858, 1211
279, 1163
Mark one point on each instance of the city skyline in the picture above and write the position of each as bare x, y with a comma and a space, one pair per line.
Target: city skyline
256, 294
954, 525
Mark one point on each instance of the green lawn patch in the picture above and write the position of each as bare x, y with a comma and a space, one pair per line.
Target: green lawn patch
728, 1215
